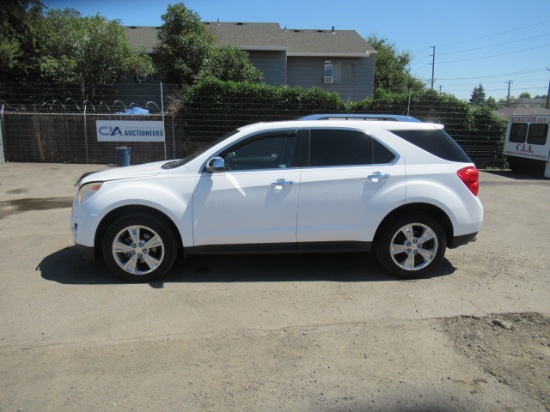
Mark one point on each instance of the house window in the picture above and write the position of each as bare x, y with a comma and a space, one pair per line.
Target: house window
345, 72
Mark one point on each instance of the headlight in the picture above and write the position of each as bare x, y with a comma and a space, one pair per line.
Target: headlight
87, 191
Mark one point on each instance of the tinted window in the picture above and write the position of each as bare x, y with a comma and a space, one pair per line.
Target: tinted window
272, 151
436, 142
518, 132
345, 148
537, 133
380, 154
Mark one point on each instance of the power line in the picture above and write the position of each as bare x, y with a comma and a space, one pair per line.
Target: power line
495, 55
497, 75
495, 45
494, 35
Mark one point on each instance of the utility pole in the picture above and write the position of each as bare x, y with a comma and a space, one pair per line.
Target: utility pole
509, 85
548, 95
433, 66
548, 92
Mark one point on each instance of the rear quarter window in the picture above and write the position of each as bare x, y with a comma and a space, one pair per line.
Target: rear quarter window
436, 142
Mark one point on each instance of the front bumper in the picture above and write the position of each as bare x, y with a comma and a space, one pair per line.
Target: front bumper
83, 229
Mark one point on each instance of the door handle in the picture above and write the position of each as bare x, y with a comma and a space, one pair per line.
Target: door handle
282, 183
376, 176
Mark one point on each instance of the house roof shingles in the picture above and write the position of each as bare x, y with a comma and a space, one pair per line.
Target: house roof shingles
269, 37
326, 43
142, 38
248, 36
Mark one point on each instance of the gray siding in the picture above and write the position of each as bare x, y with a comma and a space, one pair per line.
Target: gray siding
307, 72
271, 64
131, 91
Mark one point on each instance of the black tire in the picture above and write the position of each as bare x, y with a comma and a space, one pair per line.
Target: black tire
139, 247
411, 246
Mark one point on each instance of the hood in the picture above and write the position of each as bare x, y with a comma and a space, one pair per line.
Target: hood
129, 172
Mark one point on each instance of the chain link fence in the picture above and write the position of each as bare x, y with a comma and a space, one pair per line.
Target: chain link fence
71, 138
65, 132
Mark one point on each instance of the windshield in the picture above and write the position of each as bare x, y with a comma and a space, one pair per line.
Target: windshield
180, 162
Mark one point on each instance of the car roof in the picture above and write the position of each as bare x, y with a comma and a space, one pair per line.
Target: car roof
341, 123
360, 116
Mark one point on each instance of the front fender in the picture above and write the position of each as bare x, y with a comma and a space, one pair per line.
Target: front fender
159, 195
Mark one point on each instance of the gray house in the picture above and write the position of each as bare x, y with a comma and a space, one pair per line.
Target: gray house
338, 61
524, 107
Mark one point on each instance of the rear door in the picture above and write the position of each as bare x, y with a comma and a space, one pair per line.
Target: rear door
350, 181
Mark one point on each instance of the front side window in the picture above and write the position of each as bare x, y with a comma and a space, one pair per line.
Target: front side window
333, 147
271, 151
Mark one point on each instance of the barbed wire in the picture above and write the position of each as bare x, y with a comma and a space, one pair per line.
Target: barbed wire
70, 105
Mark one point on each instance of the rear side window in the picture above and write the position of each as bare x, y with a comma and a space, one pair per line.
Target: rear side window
436, 142
333, 147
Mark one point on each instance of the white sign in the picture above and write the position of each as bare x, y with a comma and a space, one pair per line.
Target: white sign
130, 131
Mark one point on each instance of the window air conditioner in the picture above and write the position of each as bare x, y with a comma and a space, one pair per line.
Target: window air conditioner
329, 79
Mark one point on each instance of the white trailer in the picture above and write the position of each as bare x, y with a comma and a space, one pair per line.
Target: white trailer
527, 144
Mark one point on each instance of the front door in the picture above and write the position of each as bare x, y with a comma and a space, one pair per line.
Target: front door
255, 199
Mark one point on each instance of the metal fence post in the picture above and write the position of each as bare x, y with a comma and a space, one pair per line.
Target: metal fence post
162, 113
2, 155
86, 135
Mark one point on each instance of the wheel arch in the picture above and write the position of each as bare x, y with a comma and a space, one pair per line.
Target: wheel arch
115, 214
420, 208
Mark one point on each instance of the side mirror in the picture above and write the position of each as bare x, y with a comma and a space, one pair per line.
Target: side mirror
216, 164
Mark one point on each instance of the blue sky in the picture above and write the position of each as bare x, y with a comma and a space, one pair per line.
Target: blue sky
490, 42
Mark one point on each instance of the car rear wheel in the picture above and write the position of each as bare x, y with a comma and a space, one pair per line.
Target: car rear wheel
411, 246
139, 247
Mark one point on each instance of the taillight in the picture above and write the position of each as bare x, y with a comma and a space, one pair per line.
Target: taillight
470, 176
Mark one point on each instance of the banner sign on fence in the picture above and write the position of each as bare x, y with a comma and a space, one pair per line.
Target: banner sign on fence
130, 131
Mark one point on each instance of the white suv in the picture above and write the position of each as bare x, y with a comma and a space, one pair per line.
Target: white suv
405, 190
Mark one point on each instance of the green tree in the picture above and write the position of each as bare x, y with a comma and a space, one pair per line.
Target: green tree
10, 51
17, 44
230, 63
184, 47
478, 96
525, 95
90, 52
391, 71
491, 103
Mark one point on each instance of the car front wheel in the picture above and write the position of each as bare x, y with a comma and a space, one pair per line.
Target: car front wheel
139, 247
411, 246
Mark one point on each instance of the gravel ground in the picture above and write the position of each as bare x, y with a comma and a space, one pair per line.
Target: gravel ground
514, 348
262, 333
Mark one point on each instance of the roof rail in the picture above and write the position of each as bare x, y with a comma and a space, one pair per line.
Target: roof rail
358, 116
